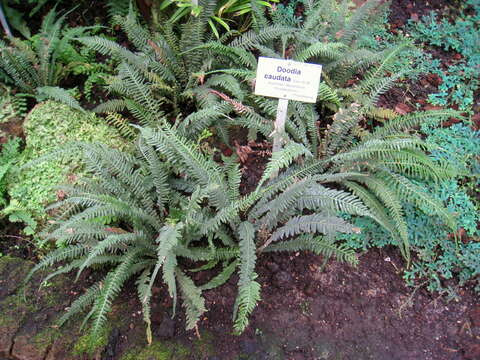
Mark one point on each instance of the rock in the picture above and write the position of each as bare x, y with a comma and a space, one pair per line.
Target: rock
31, 347
283, 280
7, 331
11, 319
12, 272
249, 346
61, 347
166, 329
273, 267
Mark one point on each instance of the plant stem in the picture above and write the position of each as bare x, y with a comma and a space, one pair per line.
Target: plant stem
3, 21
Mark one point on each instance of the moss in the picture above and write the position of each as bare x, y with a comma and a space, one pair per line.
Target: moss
156, 351
159, 351
16, 305
50, 296
48, 127
13, 311
204, 346
44, 339
7, 321
82, 345
7, 263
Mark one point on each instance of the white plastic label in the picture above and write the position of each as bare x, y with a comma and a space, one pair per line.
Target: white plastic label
287, 79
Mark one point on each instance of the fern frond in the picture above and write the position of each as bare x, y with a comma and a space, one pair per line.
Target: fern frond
330, 51
318, 245
81, 303
247, 299
192, 299
58, 94
221, 278
315, 223
110, 289
412, 120
283, 158
317, 197
252, 37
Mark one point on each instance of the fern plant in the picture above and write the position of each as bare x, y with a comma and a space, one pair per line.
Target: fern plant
9, 156
34, 65
386, 167
140, 214
328, 36
156, 78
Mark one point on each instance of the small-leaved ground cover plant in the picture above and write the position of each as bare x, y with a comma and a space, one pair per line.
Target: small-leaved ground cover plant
48, 126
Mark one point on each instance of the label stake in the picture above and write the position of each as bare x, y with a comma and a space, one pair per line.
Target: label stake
279, 132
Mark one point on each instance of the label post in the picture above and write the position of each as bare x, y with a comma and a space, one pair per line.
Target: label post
279, 132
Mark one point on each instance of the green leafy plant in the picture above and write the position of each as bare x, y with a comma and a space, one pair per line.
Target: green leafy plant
459, 80
48, 126
34, 66
9, 155
439, 255
323, 38
11, 106
169, 201
16, 18
156, 78
225, 10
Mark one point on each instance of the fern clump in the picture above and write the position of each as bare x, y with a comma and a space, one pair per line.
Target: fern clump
157, 76
35, 65
140, 215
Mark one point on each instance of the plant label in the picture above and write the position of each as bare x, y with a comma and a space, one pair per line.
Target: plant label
287, 79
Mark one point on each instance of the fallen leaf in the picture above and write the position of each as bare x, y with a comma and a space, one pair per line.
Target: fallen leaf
432, 107
402, 109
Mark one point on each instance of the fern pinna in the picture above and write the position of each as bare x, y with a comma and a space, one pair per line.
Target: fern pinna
140, 215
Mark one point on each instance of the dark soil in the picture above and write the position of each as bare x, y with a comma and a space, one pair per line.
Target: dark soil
404, 10
308, 313
346, 313
13, 243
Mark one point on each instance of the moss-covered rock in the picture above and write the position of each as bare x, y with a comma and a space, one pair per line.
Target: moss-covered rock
48, 127
83, 346
13, 313
159, 351
33, 343
12, 272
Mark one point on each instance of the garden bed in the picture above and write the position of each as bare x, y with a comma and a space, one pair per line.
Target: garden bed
312, 306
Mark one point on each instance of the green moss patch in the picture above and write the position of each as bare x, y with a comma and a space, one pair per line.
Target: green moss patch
159, 351
83, 345
48, 127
